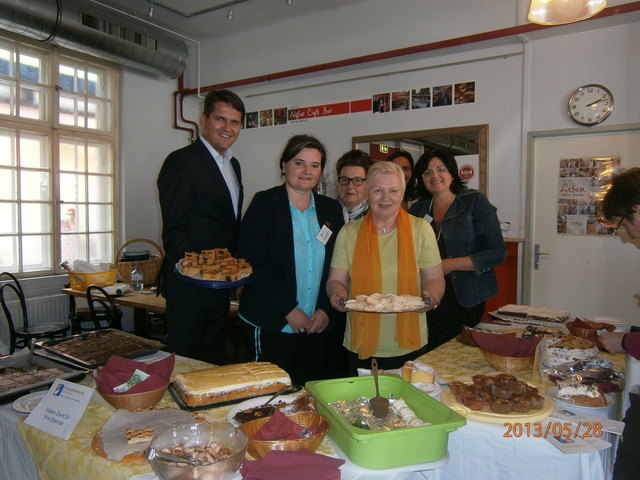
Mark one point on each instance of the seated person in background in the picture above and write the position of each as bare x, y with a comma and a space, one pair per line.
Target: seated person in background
621, 206
386, 251
352, 170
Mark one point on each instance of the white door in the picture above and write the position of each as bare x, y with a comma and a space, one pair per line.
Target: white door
587, 275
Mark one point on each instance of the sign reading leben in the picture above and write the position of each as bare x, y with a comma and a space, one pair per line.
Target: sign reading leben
60, 410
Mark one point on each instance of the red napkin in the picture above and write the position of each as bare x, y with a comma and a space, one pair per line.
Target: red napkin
283, 465
280, 427
118, 370
505, 345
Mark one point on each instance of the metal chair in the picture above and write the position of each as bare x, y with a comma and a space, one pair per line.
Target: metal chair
103, 308
22, 335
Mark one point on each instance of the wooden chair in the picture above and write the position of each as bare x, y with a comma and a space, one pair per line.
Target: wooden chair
23, 334
103, 308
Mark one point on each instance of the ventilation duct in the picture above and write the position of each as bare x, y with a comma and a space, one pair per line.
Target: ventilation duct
96, 30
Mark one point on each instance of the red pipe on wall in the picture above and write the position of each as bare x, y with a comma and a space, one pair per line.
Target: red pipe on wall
426, 47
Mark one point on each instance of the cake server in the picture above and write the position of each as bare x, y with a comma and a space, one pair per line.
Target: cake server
152, 453
378, 404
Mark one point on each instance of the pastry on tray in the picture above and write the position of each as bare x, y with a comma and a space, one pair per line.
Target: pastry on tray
381, 302
217, 265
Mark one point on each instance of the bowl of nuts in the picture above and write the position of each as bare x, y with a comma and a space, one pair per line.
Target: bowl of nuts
202, 451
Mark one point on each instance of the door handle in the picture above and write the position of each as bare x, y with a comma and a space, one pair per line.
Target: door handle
536, 256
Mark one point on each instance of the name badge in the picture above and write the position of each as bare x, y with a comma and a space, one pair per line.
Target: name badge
324, 235
428, 218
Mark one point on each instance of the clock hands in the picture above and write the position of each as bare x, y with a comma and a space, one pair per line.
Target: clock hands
597, 101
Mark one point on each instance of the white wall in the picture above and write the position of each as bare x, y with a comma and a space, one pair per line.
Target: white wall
521, 85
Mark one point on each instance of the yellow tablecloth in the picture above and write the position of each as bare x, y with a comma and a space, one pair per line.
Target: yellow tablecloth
74, 459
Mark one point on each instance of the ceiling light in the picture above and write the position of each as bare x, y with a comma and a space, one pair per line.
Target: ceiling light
289, 2
151, 9
230, 15
559, 12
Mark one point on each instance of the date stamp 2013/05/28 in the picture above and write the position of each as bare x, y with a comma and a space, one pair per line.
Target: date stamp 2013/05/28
552, 429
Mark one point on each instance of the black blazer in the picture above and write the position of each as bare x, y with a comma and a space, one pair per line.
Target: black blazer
266, 241
197, 211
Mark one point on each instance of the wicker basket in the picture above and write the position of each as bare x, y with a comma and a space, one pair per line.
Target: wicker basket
132, 401
150, 268
260, 448
508, 364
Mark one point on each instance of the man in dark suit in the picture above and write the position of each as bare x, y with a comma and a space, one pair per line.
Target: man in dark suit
200, 189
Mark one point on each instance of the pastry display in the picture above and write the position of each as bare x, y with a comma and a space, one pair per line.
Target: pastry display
230, 382
418, 372
97, 347
139, 435
381, 302
565, 349
503, 394
533, 314
207, 454
304, 403
217, 265
11, 378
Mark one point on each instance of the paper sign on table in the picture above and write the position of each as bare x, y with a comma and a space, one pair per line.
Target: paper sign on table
60, 410
592, 421
575, 444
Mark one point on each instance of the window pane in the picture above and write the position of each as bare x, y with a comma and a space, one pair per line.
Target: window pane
98, 114
99, 156
72, 218
7, 147
9, 254
99, 189
34, 151
72, 188
36, 253
73, 247
36, 218
71, 156
8, 218
100, 218
7, 97
71, 111
100, 248
34, 185
8, 189
31, 68
7, 60
67, 78
32, 102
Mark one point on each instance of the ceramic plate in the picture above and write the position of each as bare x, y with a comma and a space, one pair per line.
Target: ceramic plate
553, 393
255, 402
27, 403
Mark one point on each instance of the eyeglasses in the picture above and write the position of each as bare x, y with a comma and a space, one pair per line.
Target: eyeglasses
613, 227
429, 173
357, 181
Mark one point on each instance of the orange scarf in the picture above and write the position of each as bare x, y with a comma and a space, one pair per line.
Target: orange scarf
366, 278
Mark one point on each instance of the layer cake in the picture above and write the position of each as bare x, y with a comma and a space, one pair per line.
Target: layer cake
230, 382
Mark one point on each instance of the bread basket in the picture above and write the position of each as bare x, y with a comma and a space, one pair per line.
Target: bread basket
133, 401
150, 268
260, 448
507, 364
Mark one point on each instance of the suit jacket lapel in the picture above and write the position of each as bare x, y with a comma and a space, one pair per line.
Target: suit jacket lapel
211, 166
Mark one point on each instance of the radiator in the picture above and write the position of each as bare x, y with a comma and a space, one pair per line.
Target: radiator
50, 308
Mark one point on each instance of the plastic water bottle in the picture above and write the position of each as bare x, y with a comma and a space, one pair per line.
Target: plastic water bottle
137, 279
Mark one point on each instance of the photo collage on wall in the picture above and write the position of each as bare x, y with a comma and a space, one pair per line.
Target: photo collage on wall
582, 184
427, 97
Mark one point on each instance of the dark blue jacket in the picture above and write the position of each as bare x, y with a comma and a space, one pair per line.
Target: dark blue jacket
266, 241
470, 227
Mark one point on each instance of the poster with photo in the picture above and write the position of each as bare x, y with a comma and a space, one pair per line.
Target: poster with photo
421, 98
252, 119
266, 118
442, 95
464, 93
399, 101
380, 103
280, 116
581, 184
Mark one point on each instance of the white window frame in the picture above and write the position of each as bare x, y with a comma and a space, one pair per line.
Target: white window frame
55, 131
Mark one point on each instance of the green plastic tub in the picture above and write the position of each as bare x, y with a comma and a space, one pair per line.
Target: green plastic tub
397, 448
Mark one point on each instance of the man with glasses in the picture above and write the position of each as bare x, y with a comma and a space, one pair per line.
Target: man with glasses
352, 168
621, 207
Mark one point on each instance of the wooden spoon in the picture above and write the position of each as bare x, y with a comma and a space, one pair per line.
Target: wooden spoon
378, 404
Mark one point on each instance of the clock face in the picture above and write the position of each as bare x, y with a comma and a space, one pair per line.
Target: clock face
590, 105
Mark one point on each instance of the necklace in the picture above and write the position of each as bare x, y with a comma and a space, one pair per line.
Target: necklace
387, 229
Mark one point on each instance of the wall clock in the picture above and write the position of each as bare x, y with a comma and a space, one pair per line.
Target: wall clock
590, 104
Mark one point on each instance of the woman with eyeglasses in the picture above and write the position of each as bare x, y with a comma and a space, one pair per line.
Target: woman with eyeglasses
469, 238
287, 235
386, 251
352, 168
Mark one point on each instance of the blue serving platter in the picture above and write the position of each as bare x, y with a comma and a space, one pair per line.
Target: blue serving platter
208, 283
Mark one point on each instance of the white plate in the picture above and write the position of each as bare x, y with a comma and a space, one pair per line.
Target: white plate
553, 393
27, 403
255, 402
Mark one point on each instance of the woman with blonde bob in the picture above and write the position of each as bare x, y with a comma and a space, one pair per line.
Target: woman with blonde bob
386, 251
